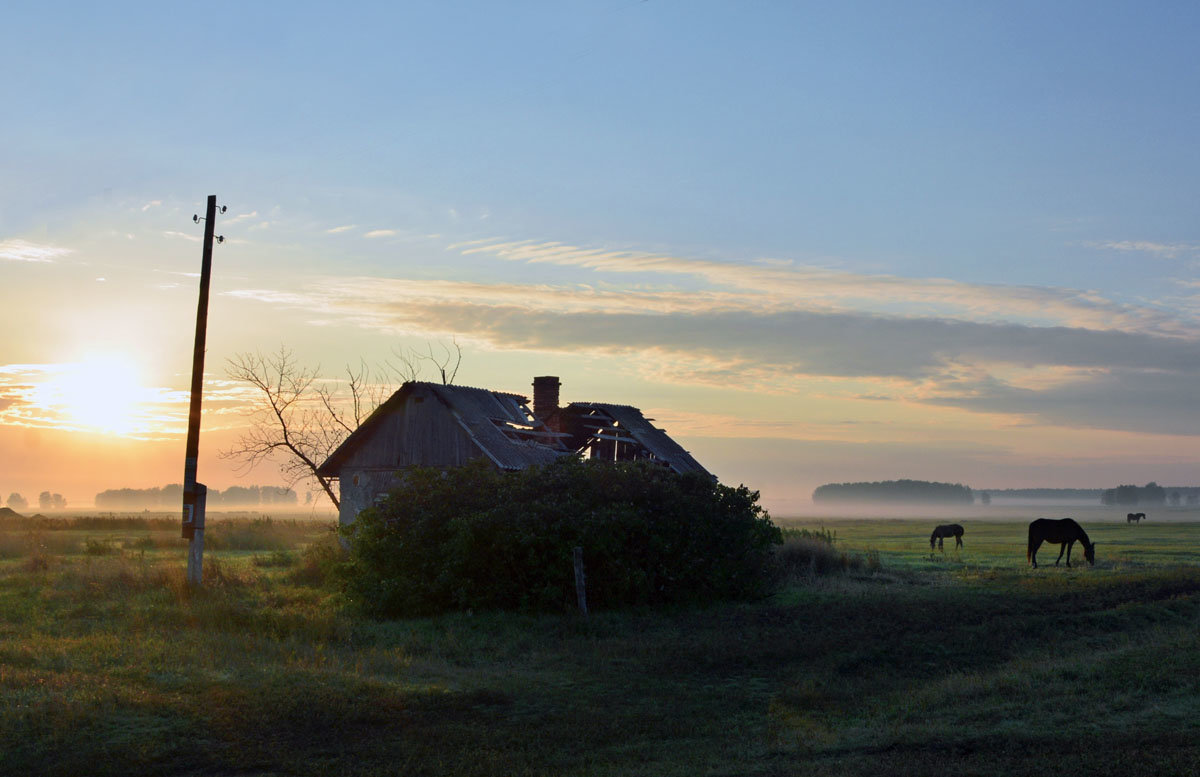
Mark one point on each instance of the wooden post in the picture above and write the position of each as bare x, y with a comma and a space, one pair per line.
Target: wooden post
195, 562
193, 492
580, 582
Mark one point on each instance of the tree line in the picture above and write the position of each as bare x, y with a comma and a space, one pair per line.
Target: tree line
46, 501
171, 496
921, 491
1151, 494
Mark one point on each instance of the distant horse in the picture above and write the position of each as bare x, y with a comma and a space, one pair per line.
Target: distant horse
1064, 531
946, 530
1134, 517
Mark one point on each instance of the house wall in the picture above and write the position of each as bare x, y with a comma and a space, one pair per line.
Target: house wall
360, 488
420, 432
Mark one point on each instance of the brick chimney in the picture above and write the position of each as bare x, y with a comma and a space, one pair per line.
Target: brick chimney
545, 399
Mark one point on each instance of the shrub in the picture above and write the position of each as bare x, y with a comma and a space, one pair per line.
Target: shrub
94, 547
320, 560
476, 538
808, 553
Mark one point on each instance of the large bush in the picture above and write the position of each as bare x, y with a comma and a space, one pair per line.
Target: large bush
475, 538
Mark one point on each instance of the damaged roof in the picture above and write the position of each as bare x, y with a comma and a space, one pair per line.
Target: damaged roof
497, 422
650, 437
504, 430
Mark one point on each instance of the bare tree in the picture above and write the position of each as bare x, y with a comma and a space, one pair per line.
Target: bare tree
298, 415
300, 419
409, 362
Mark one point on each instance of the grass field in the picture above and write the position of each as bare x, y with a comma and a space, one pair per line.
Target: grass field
965, 662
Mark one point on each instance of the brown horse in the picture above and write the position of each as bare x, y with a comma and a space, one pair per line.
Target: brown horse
1064, 531
946, 530
1134, 517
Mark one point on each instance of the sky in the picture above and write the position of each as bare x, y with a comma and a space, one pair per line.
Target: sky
816, 242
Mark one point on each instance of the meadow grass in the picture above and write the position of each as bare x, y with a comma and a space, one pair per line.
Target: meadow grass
965, 662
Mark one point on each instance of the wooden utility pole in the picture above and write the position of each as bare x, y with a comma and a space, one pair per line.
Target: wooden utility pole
194, 493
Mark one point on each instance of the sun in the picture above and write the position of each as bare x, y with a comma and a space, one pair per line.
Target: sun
100, 393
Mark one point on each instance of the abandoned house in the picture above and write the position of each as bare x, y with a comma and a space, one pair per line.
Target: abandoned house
436, 425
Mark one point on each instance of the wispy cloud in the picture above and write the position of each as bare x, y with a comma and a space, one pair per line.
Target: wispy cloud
151, 204
380, 233
1153, 401
242, 217
831, 342
815, 288
1164, 250
341, 229
724, 425
25, 251
773, 327
733, 339
182, 235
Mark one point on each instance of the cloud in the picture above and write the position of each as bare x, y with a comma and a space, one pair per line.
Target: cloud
818, 288
242, 217
380, 233
339, 230
24, 251
832, 342
183, 235
781, 329
721, 339
151, 204
727, 426
1154, 401
1164, 250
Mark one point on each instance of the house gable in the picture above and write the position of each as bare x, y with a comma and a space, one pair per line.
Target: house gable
417, 431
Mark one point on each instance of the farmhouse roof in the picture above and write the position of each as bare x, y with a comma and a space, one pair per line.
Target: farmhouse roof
505, 430
499, 423
630, 420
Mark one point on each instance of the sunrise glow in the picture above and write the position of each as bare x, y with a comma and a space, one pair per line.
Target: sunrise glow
101, 393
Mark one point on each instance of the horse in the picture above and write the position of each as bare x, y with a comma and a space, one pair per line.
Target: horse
946, 530
1064, 531
1134, 517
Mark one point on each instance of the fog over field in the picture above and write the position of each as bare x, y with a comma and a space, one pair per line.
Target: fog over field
998, 510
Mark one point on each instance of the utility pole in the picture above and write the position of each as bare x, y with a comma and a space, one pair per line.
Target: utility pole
194, 494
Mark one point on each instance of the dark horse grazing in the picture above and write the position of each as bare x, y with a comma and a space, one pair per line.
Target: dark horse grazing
1134, 517
1063, 531
946, 530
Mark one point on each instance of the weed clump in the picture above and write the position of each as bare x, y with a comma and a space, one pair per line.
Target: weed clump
319, 561
257, 534
94, 547
806, 554
475, 538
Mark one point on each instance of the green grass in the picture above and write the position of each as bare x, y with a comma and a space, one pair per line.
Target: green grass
966, 662
1000, 544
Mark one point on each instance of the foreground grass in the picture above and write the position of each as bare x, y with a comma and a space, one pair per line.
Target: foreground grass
969, 664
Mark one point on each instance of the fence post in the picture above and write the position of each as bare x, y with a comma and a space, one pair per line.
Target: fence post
580, 581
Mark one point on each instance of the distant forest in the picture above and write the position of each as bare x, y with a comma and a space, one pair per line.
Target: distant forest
893, 491
1151, 494
171, 497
